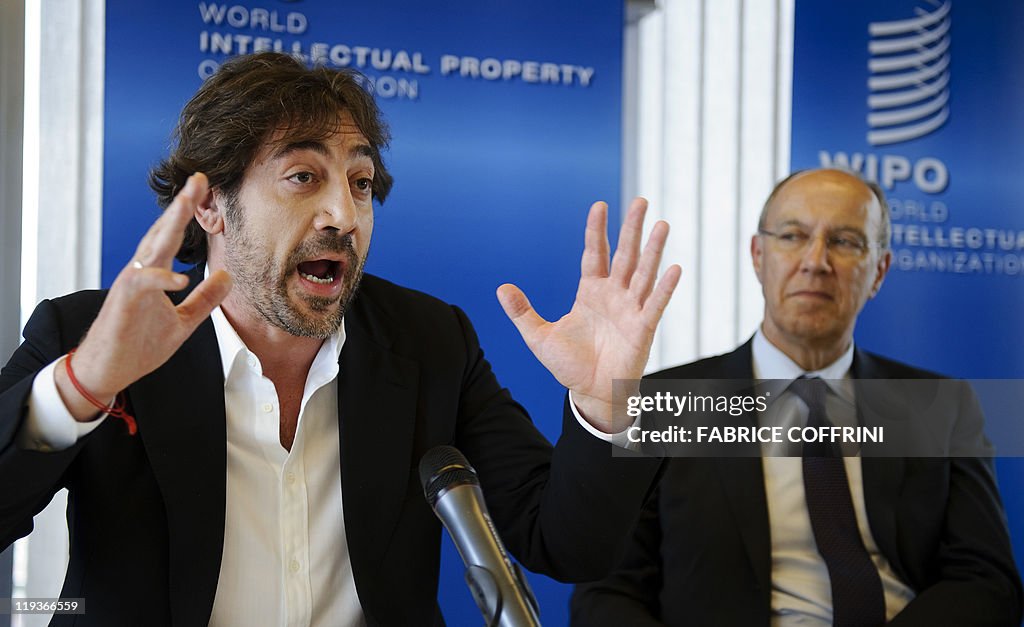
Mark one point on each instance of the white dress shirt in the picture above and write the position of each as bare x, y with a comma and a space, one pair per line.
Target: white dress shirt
801, 592
285, 559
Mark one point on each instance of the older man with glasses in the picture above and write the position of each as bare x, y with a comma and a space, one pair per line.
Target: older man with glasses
815, 538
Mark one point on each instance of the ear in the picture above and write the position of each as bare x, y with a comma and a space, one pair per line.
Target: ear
209, 213
881, 269
757, 255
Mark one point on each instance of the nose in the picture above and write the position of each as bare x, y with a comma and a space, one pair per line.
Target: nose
337, 210
815, 255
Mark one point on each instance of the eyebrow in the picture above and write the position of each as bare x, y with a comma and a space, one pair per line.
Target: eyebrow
790, 223
836, 229
287, 149
361, 150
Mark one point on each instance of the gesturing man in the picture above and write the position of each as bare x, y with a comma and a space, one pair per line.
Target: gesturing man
818, 540
282, 399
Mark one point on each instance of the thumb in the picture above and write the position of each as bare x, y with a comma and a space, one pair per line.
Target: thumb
518, 309
207, 295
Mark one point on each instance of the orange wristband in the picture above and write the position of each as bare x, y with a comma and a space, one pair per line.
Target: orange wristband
117, 409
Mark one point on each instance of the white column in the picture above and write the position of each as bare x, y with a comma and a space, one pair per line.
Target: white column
675, 160
71, 144
719, 173
712, 136
61, 210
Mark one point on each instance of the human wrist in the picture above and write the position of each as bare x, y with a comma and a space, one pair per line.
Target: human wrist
597, 412
83, 404
77, 405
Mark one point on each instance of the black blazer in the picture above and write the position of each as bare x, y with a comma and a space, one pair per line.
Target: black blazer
146, 513
701, 553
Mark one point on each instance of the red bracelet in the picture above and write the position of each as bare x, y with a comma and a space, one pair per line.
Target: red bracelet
117, 409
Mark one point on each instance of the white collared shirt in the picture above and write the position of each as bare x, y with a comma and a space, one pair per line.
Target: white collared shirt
801, 592
285, 559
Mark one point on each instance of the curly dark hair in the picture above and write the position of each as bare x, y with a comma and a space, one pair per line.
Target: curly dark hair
238, 109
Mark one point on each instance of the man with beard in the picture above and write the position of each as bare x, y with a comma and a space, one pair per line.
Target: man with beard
282, 400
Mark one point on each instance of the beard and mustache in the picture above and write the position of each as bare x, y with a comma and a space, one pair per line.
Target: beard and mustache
263, 280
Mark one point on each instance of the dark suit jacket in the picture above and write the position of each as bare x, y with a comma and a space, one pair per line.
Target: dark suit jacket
146, 513
701, 553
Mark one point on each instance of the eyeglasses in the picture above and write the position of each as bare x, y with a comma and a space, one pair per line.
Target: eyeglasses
843, 245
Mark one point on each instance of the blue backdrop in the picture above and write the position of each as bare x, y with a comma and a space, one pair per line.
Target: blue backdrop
924, 97
506, 124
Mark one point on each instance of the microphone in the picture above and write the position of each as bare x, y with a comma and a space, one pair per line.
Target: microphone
499, 588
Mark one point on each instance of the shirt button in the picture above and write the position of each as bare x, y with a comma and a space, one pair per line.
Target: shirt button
252, 360
268, 407
294, 566
290, 478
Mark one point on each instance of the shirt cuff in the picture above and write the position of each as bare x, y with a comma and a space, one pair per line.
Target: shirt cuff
618, 439
49, 426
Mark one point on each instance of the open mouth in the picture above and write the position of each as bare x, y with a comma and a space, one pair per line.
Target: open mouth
320, 271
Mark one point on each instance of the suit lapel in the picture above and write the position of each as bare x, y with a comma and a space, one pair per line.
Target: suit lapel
377, 392
882, 477
180, 410
742, 479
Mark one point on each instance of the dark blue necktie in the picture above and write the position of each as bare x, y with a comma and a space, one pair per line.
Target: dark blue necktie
857, 597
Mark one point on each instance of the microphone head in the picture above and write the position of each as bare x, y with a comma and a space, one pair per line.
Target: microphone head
443, 467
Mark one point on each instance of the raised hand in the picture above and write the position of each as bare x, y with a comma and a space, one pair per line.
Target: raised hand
139, 328
608, 333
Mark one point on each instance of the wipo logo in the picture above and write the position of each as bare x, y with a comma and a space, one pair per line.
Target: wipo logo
909, 80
